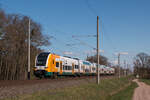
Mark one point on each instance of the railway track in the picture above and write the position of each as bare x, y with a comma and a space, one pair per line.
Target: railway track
20, 87
9, 83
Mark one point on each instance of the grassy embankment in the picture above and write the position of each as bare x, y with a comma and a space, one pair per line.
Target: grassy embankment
109, 89
147, 81
125, 94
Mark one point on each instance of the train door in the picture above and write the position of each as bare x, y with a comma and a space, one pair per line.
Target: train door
61, 67
72, 68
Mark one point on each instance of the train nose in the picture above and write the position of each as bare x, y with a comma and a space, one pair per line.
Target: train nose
39, 73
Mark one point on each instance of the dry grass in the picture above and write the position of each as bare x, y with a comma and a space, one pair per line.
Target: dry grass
89, 91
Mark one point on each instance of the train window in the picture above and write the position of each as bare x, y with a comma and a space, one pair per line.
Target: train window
93, 69
76, 66
66, 67
70, 67
57, 64
41, 59
63, 67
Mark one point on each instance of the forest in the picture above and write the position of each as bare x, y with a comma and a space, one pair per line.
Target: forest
14, 45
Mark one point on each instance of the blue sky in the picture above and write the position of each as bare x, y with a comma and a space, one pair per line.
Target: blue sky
125, 24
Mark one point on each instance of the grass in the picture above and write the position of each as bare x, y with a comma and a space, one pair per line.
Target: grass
89, 91
125, 94
147, 81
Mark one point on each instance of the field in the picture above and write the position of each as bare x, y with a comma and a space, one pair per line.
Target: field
109, 89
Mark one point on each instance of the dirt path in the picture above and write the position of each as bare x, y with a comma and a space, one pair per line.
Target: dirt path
142, 92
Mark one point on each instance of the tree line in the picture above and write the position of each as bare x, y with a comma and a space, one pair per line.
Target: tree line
14, 45
104, 61
142, 65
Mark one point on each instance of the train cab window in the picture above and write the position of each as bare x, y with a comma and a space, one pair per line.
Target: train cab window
42, 59
57, 64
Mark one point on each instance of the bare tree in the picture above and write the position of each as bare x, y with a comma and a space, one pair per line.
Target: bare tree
103, 60
142, 65
13, 45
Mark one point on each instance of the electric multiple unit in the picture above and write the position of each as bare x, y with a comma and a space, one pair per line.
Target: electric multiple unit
48, 64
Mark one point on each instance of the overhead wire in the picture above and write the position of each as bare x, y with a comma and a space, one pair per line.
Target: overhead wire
65, 44
60, 43
108, 38
84, 43
93, 11
89, 35
81, 42
57, 49
90, 7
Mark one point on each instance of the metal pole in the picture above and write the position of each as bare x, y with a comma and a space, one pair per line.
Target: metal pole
98, 51
29, 52
124, 68
127, 68
119, 63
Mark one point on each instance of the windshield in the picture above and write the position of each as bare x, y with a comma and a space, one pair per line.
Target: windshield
41, 59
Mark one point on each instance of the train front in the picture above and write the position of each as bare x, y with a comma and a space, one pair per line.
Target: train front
41, 64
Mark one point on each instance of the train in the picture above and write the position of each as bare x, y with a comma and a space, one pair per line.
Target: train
52, 65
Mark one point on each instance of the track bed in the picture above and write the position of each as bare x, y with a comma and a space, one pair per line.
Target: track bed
19, 87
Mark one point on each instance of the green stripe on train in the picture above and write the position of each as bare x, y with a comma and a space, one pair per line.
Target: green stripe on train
49, 74
67, 73
64, 73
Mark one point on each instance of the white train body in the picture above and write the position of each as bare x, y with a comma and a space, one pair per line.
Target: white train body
48, 64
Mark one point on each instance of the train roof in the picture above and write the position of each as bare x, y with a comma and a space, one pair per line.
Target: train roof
76, 58
67, 56
86, 63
